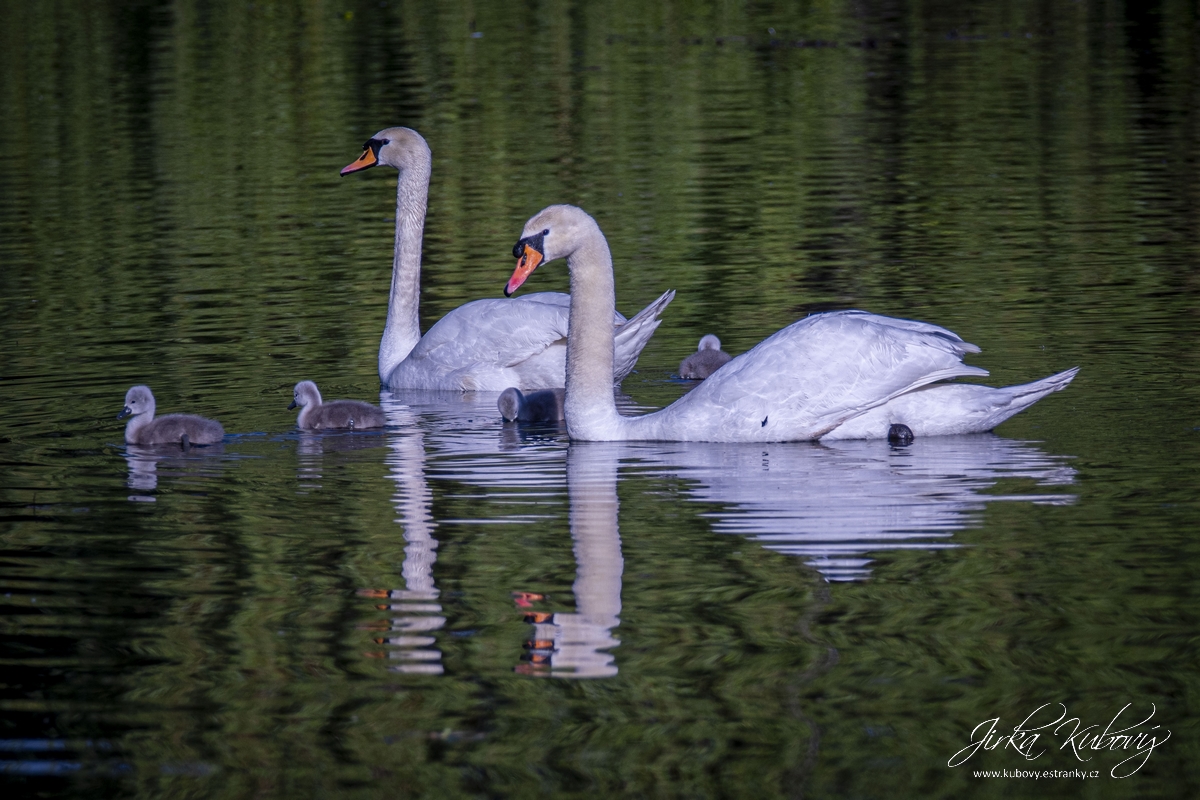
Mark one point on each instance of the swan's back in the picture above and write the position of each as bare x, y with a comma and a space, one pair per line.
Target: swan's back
343, 414
809, 377
492, 344
171, 429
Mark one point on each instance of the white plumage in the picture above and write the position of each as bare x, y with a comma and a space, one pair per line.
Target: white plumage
485, 345
844, 374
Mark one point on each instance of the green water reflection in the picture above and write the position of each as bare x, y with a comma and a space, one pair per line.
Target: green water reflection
171, 214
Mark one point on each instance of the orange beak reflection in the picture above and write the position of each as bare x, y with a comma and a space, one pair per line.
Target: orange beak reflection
366, 160
527, 264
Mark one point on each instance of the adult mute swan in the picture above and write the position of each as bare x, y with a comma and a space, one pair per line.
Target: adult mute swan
484, 345
844, 374
316, 414
181, 429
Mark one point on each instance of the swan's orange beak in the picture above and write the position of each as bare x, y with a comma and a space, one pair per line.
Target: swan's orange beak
527, 263
367, 160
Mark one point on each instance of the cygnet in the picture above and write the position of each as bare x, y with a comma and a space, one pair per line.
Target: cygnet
315, 415
181, 429
545, 405
707, 359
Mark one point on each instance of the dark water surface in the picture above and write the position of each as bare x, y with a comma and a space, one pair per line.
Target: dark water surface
453, 608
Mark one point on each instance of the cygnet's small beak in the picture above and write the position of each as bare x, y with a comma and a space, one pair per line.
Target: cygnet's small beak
291, 405
368, 159
125, 412
527, 263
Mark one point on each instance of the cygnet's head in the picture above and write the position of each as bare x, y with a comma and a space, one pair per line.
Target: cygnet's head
709, 342
138, 400
397, 147
305, 394
509, 403
554, 232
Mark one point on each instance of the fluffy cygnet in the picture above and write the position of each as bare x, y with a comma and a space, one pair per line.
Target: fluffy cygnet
181, 429
315, 415
541, 406
705, 361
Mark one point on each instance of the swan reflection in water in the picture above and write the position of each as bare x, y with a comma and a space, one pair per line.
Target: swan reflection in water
411, 642
144, 460
832, 504
569, 645
311, 449
573, 645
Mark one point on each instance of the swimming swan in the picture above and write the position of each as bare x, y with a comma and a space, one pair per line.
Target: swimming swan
181, 429
844, 374
543, 406
708, 358
485, 345
316, 415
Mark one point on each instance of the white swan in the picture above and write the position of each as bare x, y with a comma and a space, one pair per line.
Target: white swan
708, 358
845, 374
485, 345
316, 414
181, 429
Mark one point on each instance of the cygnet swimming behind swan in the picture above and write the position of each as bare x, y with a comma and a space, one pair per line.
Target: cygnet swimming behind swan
336, 414
843, 374
542, 406
180, 429
708, 358
485, 345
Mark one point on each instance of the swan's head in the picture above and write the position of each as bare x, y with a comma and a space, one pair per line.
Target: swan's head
305, 394
554, 232
509, 403
396, 147
709, 342
138, 400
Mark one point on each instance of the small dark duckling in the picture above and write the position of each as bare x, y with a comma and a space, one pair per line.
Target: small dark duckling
181, 429
707, 359
541, 406
316, 416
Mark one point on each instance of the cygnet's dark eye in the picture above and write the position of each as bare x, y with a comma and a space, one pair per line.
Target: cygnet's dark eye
545, 231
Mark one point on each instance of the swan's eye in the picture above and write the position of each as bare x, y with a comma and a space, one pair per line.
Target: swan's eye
545, 231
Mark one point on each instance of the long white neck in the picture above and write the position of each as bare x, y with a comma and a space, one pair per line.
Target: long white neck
403, 328
590, 409
585, 637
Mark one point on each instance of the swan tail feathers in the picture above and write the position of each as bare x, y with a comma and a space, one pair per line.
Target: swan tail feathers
630, 338
1039, 389
1024, 395
1020, 397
